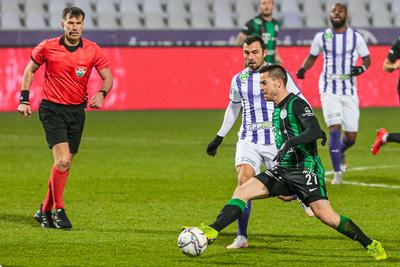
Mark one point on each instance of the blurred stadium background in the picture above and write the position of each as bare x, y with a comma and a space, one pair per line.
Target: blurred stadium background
143, 35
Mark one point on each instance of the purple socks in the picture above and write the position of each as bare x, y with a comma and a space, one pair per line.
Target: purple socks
335, 149
243, 220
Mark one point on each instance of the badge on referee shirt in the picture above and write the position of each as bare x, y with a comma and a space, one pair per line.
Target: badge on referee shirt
80, 71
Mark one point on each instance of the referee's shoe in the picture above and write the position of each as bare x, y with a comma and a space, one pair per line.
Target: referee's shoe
44, 218
61, 220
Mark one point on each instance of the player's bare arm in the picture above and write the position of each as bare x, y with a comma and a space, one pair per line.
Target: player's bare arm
29, 73
240, 39
308, 63
98, 98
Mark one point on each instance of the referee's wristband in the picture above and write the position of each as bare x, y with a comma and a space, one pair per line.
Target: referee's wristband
104, 92
24, 98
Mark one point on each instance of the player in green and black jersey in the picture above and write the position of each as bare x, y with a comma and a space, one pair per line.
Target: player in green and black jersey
392, 61
266, 27
298, 170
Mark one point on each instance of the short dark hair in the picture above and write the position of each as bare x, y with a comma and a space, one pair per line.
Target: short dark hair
73, 12
342, 5
255, 38
275, 71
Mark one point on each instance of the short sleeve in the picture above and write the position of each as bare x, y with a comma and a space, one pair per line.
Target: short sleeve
248, 27
362, 49
39, 53
234, 94
394, 52
101, 60
316, 44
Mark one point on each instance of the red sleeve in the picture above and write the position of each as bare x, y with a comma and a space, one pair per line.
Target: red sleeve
39, 53
101, 60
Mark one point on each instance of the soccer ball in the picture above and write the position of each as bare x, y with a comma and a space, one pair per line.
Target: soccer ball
192, 242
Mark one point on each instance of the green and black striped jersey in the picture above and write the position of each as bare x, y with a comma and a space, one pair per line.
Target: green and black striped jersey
268, 31
294, 120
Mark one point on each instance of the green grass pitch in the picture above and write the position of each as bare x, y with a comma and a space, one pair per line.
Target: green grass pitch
139, 176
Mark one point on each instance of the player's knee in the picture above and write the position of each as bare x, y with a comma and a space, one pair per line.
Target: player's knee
63, 164
243, 179
241, 193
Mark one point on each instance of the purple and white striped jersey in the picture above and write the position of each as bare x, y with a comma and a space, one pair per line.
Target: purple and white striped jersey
256, 112
340, 51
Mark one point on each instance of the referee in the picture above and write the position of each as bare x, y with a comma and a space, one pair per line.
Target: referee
69, 60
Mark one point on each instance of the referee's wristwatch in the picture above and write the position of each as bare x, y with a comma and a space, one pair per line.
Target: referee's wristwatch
104, 92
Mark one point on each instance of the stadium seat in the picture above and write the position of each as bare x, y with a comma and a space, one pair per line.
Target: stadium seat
290, 6
154, 21
224, 21
245, 7
85, 5
130, 21
199, 7
11, 21
359, 20
176, 7
34, 22
292, 20
395, 7
312, 7
200, 21
178, 21
105, 6
380, 21
129, 6
58, 6
315, 21
152, 6
55, 20
357, 6
107, 20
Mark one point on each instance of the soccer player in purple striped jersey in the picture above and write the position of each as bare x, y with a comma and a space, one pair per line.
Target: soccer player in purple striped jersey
256, 144
341, 46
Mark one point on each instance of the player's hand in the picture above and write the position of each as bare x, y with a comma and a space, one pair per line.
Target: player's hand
323, 136
213, 145
282, 152
97, 100
357, 70
25, 110
300, 73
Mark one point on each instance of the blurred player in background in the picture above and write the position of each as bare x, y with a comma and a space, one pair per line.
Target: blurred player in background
341, 46
69, 60
256, 145
299, 170
266, 27
390, 64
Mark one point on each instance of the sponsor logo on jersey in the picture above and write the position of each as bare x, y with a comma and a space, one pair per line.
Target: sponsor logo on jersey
283, 114
80, 71
328, 36
244, 76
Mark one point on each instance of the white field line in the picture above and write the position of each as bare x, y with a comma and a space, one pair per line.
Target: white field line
363, 168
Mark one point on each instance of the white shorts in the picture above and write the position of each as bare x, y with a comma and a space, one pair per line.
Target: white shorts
341, 109
254, 155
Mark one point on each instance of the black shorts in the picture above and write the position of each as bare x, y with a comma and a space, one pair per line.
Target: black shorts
306, 185
62, 123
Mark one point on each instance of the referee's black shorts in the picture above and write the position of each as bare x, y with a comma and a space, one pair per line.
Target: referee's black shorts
62, 123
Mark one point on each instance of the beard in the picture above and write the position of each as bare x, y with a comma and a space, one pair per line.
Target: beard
338, 24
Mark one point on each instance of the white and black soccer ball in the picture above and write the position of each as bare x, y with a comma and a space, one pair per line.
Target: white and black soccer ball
192, 242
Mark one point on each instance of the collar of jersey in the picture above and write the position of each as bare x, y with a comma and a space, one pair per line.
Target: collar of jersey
286, 99
62, 41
